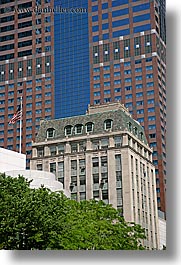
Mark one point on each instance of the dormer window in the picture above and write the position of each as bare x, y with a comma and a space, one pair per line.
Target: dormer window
130, 126
78, 128
68, 130
141, 135
136, 131
107, 124
89, 127
50, 133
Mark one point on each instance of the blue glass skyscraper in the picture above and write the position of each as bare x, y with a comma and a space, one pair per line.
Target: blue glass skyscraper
71, 59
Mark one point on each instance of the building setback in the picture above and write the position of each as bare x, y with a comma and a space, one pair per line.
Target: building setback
102, 155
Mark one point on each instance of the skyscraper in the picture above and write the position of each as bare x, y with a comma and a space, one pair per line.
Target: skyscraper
71, 58
128, 64
26, 70
62, 61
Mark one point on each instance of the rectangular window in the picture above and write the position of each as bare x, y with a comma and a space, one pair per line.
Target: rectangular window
94, 18
141, 7
142, 28
94, 8
118, 2
104, 16
105, 26
121, 33
95, 28
141, 18
119, 23
53, 167
120, 12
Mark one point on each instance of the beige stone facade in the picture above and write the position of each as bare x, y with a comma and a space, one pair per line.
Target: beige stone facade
114, 165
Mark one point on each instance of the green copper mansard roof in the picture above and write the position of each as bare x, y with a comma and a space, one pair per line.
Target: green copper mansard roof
121, 121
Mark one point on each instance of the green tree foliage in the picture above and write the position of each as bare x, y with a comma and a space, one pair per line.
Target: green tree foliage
41, 219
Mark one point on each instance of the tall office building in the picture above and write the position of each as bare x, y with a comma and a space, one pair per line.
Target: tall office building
26, 70
61, 61
128, 64
44, 58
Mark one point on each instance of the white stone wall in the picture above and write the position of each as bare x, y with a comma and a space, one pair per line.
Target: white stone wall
39, 178
138, 186
10, 160
162, 232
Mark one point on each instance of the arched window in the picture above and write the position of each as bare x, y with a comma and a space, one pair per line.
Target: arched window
108, 124
89, 127
78, 128
68, 130
50, 132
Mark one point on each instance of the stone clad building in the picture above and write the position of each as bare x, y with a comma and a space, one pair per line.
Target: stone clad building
102, 155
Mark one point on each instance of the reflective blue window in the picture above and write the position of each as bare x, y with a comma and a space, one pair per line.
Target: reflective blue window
104, 5
127, 63
105, 36
150, 92
139, 94
117, 98
150, 84
121, 33
127, 80
106, 67
139, 86
137, 78
95, 28
116, 66
120, 22
121, 12
140, 120
151, 109
94, 8
95, 38
94, 18
129, 104
117, 82
106, 75
141, 7
96, 85
142, 28
106, 83
104, 16
107, 92
119, 2
97, 77
97, 101
96, 94
105, 26
116, 90
128, 96
96, 70
141, 17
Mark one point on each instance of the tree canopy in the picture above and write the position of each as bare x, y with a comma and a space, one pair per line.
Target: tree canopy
45, 220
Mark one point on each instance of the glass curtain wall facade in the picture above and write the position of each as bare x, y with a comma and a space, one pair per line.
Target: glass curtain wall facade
71, 59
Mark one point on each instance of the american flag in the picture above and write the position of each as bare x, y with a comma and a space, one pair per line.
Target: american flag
17, 116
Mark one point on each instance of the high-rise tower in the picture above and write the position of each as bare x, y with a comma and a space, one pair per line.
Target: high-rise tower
26, 70
128, 64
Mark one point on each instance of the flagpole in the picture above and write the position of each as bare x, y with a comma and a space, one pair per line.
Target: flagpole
20, 124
